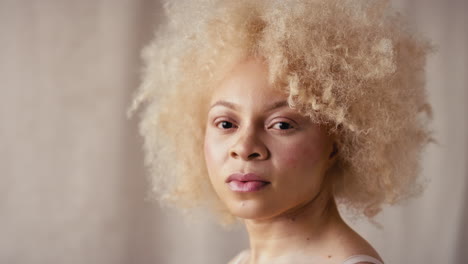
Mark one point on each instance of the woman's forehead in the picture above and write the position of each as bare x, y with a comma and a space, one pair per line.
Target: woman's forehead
266, 107
247, 80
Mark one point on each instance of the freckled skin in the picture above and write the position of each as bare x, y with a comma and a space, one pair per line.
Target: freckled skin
296, 152
293, 219
293, 159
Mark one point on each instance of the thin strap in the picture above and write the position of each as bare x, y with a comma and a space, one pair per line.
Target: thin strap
361, 258
241, 256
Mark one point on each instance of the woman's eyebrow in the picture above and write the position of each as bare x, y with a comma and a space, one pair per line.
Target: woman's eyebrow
234, 106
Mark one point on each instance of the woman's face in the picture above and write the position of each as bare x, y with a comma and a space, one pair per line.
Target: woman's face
264, 159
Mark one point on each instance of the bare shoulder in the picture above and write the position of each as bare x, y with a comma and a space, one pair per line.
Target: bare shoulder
238, 257
357, 245
232, 261
350, 243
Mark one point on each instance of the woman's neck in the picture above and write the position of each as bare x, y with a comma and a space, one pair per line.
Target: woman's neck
301, 230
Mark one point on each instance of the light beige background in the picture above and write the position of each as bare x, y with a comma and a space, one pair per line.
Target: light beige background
72, 182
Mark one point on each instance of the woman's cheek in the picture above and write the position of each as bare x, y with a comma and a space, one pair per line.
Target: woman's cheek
207, 151
299, 154
212, 152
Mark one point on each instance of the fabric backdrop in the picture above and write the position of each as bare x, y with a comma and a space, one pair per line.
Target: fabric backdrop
72, 183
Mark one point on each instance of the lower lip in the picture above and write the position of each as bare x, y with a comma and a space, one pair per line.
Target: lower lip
247, 186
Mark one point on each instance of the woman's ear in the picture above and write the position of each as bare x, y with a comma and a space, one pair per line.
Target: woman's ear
332, 156
334, 152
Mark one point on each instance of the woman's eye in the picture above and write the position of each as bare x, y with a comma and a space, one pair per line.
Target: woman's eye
282, 126
225, 125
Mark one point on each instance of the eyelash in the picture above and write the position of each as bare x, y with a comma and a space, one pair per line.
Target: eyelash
234, 126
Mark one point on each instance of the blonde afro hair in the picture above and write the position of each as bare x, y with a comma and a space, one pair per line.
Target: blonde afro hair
353, 65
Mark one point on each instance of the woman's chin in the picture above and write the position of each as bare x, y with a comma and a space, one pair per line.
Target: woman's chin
248, 209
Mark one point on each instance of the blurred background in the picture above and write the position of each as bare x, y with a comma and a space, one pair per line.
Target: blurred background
73, 187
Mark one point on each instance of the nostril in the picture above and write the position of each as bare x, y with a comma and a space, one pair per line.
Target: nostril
234, 154
254, 155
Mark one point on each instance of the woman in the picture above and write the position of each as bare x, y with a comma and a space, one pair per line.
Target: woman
274, 112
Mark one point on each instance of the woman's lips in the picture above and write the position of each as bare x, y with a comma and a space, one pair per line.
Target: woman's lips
247, 186
249, 182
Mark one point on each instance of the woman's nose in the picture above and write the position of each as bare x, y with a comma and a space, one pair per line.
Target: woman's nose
249, 146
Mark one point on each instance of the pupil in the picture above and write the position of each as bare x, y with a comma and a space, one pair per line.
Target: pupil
226, 124
284, 125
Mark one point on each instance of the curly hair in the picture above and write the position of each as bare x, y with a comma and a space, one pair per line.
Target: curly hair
353, 65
